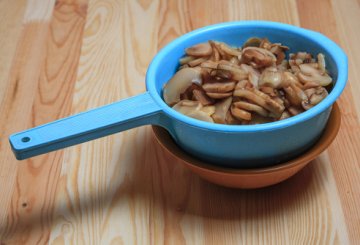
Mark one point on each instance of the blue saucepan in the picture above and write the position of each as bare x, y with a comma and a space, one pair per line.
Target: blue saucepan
234, 146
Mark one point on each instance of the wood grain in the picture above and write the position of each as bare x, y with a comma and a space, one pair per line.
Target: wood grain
74, 55
44, 74
20, 90
344, 152
11, 16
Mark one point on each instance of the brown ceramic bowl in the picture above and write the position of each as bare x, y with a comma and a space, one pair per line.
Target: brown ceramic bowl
251, 178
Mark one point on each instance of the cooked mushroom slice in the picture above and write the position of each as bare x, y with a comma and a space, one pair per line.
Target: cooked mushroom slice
228, 50
281, 95
283, 66
318, 96
235, 61
287, 103
297, 59
310, 91
197, 62
216, 55
271, 77
309, 85
315, 95
260, 99
299, 92
285, 115
209, 110
227, 62
294, 68
308, 69
254, 75
310, 74
183, 66
271, 104
202, 116
222, 54
258, 57
306, 105
199, 50
230, 119
223, 74
265, 44
236, 71
195, 110
201, 96
189, 103
205, 75
252, 42
301, 57
188, 93
292, 96
186, 60
249, 85
240, 114
179, 83
321, 62
218, 95
215, 52
219, 87
221, 109
242, 84
295, 95
279, 51
213, 74
279, 100
251, 107
187, 106
209, 64
273, 93
268, 90
295, 110
244, 93
198, 68
289, 78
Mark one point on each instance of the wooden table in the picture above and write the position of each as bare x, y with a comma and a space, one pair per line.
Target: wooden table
63, 57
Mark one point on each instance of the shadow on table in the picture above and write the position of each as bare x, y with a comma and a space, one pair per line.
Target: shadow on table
159, 183
167, 185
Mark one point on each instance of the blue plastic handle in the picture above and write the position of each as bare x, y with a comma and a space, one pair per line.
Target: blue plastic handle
125, 114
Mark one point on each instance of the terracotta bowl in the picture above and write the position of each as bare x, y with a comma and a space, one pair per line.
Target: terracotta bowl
251, 178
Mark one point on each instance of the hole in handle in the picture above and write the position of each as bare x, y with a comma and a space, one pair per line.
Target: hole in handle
25, 139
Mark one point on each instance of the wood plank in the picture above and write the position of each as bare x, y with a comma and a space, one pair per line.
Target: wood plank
344, 152
94, 203
271, 10
347, 14
51, 49
16, 103
11, 16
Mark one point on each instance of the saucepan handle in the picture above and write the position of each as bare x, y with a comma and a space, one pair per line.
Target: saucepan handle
119, 116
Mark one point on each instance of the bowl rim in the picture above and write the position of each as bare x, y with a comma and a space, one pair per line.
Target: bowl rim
331, 47
327, 137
